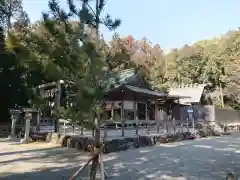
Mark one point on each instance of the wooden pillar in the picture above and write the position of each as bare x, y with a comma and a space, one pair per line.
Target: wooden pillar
169, 114
156, 116
147, 117
173, 121
135, 115
38, 121
105, 132
193, 124
180, 115
174, 125
112, 111
122, 117
181, 123
191, 118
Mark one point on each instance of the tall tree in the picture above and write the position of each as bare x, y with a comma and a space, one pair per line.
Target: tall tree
119, 52
9, 11
151, 59
22, 21
92, 16
13, 87
173, 69
70, 54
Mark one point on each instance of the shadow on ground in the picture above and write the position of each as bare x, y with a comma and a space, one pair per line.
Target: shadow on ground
204, 159
24, 151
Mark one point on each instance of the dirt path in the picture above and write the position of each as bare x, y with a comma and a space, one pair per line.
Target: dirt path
18, 158
204, 159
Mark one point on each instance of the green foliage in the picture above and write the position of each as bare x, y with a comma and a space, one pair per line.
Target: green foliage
11, 12
58, 47
13, 90
212, 62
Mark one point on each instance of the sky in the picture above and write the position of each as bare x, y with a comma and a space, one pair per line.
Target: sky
169, 23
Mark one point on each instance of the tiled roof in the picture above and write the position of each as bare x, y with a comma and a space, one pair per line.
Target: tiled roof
146, 91
114, 80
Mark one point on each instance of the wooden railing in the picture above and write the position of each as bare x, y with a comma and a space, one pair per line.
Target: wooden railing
95, 153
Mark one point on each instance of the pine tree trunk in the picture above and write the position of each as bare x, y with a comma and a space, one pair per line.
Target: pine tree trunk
95, 162
94, 167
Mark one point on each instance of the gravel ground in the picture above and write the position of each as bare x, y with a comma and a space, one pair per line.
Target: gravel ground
203, 159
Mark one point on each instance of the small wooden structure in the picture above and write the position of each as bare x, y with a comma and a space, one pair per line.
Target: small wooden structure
194, 91
132, 87
129, 85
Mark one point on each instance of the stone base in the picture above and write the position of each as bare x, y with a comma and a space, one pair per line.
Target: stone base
12, 138
84, 143
25, 141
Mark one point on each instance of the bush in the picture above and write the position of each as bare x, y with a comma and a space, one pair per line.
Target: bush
79, 146
215, 133
111, 146
226, 133
63, 140
78, 142
202, 133
49, 137
161, 138
123, 144
176, 137
188, 136
55, 137
38, 136
146, 141
86, 142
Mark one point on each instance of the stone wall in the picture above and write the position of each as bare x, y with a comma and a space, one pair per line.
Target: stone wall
227, 116
207, 113
199, 112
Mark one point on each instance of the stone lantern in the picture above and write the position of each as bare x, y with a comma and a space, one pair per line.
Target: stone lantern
15, 113
27, 116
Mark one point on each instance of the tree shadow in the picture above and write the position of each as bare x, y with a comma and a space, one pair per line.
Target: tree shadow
47, 174
27, 151
194, 160
204, 159
56, 155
